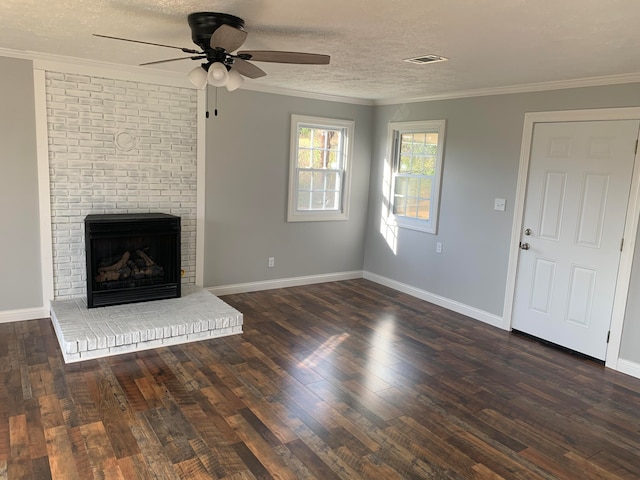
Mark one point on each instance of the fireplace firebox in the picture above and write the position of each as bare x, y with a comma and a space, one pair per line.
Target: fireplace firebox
132, 258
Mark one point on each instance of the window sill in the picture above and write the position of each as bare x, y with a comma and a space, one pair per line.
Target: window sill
317, 217
416, 225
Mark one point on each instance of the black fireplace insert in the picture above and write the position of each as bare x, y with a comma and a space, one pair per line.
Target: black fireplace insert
132, 258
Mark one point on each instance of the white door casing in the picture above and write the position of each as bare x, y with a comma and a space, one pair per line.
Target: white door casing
577, 195
630, 228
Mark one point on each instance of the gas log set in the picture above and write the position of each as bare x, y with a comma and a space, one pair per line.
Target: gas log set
138, 266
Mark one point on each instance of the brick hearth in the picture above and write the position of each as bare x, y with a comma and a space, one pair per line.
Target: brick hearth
100, 332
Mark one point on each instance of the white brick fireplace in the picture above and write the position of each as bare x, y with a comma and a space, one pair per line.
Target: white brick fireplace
122, 146
117, 146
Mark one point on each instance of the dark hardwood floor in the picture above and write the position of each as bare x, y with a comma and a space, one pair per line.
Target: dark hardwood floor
343, 380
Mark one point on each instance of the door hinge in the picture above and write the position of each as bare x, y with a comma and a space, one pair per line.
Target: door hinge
621, 244
608, 335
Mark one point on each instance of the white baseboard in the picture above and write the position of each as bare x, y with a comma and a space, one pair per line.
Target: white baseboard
449, 304
629, 367
283, 283
23, 314
452, 305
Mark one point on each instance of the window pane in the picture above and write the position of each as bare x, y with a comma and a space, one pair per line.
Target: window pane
335, 139
304, 137
304, 158
317, 200
319, 138
424, 207
429, 167
425, 187
331, 200
406, 140
318, 159
418, 142
333, 160
417, 167
412, 207
401, 186
318, 181
413, 187
399, 205
304, 180
303, 200
333, 180
405, 163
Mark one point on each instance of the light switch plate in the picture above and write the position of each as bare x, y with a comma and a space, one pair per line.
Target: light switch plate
499, 204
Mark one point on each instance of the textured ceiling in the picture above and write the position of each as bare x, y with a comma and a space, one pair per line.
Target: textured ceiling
490, 43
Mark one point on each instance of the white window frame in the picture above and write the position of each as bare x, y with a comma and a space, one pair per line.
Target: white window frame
342, 212
396, 129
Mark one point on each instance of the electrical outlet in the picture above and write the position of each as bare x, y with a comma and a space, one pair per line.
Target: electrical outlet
438, 247
271, 262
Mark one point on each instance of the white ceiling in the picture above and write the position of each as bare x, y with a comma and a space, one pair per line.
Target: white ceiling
490, 43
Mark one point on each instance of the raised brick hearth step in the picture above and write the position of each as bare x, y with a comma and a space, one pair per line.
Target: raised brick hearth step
100, 332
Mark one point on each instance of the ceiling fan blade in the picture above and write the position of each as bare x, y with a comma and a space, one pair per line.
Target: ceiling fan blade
285, 57
247, 69
185, 50
199, 57
228, 38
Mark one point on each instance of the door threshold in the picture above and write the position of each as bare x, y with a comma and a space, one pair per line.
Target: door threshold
558, 347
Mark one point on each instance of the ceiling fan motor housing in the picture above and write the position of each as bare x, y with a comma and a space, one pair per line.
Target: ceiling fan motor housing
203, 24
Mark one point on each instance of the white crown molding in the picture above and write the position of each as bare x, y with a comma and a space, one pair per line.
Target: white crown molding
309, 95
81, 66
523, 88
65, 64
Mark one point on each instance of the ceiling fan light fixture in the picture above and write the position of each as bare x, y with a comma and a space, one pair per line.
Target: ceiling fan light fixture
235, 80
198, 77
218, 75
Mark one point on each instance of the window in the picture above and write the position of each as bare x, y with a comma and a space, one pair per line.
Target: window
319, 170
416, 153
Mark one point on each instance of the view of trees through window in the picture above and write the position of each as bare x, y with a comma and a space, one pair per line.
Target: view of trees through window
415, 174
319, 168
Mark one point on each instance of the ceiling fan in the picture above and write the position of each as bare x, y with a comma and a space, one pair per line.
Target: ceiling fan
219, 35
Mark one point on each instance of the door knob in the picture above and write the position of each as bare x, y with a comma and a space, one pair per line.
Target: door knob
524, 246
528, 231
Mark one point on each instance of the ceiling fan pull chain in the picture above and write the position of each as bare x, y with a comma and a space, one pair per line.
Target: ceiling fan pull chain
206, 102
215, 108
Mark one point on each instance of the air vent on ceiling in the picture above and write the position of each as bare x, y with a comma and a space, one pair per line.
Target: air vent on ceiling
426, 59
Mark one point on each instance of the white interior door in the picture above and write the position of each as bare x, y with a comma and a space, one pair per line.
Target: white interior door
574, 215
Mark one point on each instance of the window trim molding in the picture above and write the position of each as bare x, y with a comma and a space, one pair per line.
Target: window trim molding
295, 215
394, 129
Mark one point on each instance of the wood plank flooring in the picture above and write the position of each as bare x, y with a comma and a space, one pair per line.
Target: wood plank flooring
345, 380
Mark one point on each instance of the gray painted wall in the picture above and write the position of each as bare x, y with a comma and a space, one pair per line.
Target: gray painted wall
20, 278
630, 347
481, 158
247, 170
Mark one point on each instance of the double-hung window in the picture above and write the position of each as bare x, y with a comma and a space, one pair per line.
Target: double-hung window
319, 169
416, 153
